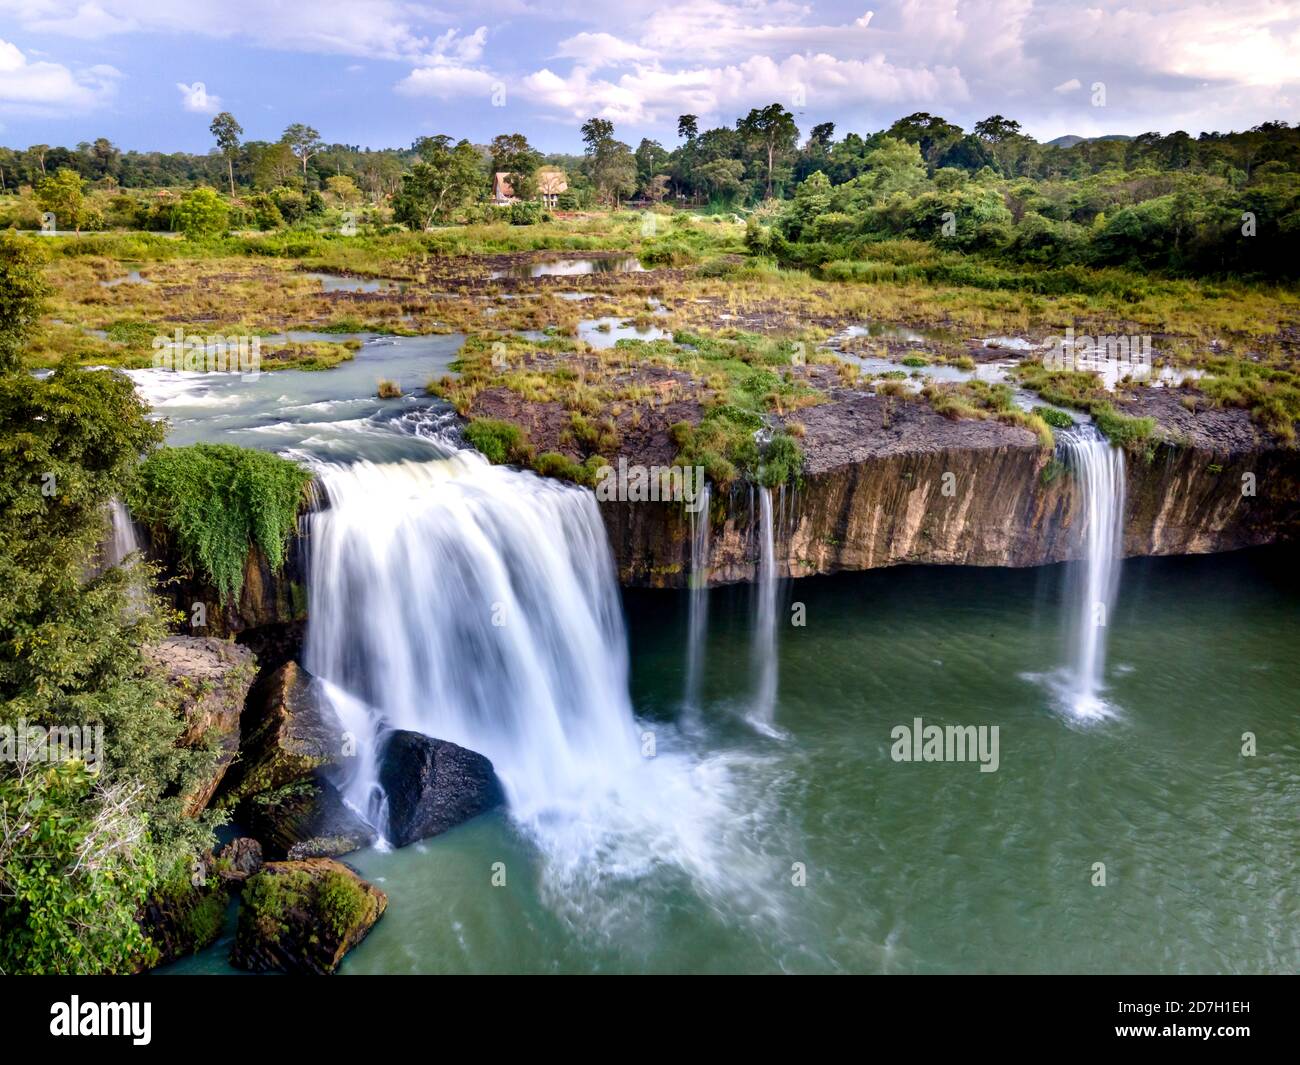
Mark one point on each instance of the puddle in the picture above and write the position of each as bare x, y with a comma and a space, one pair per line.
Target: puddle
606, 332
131, 277
623, 264
343, 283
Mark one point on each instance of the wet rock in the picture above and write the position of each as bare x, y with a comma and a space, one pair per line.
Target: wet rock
433, 785
305, 819
213, 677
290, 730
304, 916
184, 915
238, 860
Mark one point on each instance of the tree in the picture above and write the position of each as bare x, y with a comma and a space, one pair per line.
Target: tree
343, 189
22, 294
688, 127
304, 142
273, 164
996, 129
610, 163
513, 156
201, 214
446, 179
39, 152
722, 176
932, 134
651, 159
772, 130
227, 132
61, 194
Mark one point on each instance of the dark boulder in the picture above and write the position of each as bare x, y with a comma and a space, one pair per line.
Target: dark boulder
290, 730
238, 860
433, 785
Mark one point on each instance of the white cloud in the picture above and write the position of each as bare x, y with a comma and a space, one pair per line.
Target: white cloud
601, 49
196, 98
50, 90
1073, 85
446, 82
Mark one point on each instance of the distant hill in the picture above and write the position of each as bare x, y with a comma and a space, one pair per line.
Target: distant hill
1070, 140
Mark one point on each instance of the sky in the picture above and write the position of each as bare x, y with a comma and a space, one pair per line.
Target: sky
149, 74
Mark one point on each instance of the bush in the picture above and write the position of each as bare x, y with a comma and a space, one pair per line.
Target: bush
1057, 419
218, 500
525, 213
499, 442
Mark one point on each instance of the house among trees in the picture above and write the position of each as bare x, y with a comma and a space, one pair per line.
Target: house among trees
551, 182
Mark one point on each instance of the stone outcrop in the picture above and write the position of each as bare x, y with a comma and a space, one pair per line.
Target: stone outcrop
305, 819
290, 730
905, 485
304, 916
185, 914
213, 677
433, 785
238, 860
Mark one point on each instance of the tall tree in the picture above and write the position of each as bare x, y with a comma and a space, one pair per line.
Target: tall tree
610, 163
688, 127
39, 152
772, 130
304, 141
513, 156
227, 131
446, 178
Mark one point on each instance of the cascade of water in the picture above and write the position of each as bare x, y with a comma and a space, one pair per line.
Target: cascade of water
476, 604
126, 537
764, 647
698, 625
1099, 471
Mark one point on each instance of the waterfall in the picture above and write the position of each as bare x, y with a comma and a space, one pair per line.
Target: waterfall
764, 646
1099, 472
126, 537
479, 605
698, 625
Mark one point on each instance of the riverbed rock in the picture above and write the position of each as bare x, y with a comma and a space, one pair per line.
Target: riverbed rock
290, 730
185, 914
238, 860
433, 785
213, 677
305, 819
304, 916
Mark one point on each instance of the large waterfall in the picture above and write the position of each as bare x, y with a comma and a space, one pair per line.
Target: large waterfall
1098, 468
479, 604
764, 648
698, 624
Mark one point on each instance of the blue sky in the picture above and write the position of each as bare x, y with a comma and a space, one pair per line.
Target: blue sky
149, 74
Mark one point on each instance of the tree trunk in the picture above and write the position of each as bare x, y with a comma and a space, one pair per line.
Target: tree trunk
230, 168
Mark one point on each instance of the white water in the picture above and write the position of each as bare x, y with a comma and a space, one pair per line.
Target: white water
1099, 472
698, 624
126, 537
764, 647
479, 604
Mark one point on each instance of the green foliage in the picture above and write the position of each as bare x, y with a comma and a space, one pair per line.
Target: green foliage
217, 501
1122, 429
74, 865
1057, 419
525, 213
782, 461
73, 877
23, 290
62, 193
498, 441
201, 214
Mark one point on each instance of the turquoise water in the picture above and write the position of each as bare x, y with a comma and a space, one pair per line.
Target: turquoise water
917, 867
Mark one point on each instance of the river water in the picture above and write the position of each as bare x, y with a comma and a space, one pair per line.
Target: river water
806, 847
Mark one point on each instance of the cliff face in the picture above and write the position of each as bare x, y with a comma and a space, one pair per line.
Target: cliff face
890, 483
886, 487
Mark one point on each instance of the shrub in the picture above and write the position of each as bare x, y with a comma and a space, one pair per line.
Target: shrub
499, 442
1057, 419
217, 500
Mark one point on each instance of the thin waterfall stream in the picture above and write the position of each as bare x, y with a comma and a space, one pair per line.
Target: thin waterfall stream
698, 603
1098, 467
